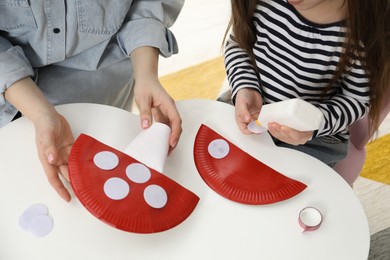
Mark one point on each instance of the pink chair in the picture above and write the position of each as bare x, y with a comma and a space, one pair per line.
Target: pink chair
351, 167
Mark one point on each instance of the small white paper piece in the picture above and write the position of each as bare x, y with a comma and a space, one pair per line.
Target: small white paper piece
151, 146
106, 160
218, 148
155, 196
36, 220
256, 128
41, 226
295, 113
116, 188
138, 173
30, 213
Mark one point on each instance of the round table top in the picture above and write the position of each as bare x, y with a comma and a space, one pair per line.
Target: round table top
217, 229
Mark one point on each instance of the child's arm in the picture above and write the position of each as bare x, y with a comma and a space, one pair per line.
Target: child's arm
245, 86
239, 69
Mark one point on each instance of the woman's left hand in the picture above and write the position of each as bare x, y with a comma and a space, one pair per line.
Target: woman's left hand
155, 103
289, 135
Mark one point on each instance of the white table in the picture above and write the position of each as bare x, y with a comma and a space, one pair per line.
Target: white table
217, 229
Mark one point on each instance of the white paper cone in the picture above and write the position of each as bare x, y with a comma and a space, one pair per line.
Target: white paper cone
151, 146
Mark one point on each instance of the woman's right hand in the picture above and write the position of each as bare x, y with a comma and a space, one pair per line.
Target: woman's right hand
53, 135
54, 140
247, 108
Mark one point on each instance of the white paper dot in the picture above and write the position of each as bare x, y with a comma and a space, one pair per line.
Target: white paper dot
106, 160
30, 213
40, 226
115, 188
218, 148
138, 173
254, 127
155, 196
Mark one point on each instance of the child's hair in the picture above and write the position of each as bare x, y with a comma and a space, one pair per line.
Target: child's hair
368, 22
242, 25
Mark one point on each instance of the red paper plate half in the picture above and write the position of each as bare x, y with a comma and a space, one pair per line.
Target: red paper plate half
236, 175
123, 192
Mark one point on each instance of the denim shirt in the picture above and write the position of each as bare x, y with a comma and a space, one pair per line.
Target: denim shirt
87, 35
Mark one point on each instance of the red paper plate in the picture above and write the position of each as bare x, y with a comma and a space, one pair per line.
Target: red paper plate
238, 176
111, 196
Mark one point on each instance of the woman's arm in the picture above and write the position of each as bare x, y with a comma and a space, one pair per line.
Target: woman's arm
144, 36
151, 97
54, 137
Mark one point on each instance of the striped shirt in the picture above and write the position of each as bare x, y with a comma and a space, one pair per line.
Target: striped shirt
297, 58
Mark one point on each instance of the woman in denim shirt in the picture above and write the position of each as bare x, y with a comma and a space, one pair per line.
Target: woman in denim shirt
56, 52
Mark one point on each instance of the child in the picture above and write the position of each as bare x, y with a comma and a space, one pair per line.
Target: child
56, 52
331, 53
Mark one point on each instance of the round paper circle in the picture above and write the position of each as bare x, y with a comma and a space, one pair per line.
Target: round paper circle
155, 196
40, 226
138, 173
218, 148
106, 160
255, 128
115, 188
30, 213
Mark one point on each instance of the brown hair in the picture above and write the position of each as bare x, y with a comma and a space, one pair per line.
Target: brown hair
368, 23
242, 25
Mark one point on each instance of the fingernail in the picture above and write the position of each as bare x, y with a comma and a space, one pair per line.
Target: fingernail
174, 143
50, 158
145, 123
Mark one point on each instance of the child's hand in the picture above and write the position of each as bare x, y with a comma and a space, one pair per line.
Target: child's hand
54, 140
247, 108
289, 135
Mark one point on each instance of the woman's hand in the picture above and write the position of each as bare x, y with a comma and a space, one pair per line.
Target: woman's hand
247, 108
152, 99
289, 135
154, 102
53, 135
54, 140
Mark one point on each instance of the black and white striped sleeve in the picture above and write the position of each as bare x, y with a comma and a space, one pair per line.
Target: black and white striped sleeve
348, 105
239, 69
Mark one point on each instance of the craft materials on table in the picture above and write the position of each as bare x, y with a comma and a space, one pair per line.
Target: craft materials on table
295, 113
36, 220
236, 175
310, 218
125, 192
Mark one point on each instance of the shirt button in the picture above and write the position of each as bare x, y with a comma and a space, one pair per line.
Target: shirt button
56, 30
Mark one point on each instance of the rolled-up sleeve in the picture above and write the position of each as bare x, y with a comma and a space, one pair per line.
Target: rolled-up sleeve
147, 24
13, 66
